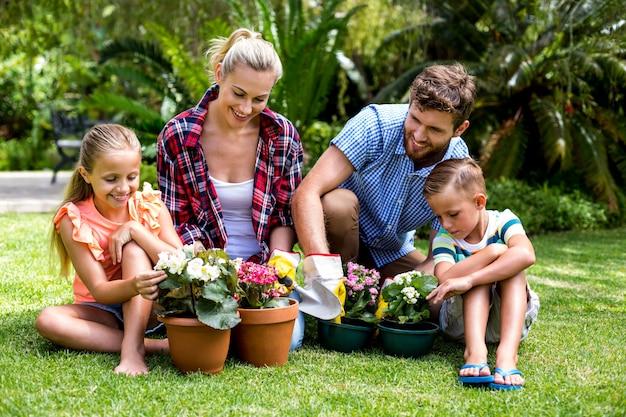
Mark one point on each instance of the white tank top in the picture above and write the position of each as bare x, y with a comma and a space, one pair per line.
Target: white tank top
236, 200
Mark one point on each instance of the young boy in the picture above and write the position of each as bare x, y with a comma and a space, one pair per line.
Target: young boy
480, 260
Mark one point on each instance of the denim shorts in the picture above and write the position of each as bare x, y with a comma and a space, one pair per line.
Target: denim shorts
118, 313
452, 324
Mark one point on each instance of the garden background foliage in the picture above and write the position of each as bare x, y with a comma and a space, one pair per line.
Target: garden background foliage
549, 112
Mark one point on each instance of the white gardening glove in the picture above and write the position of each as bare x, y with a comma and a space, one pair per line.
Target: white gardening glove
324, 292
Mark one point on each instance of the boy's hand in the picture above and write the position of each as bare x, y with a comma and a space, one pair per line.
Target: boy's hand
146, 284
450, 288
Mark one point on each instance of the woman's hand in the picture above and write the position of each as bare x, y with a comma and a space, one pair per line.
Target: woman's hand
146, 283
119, 238
450, 288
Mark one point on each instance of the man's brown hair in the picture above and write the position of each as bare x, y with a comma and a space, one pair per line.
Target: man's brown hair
447, 88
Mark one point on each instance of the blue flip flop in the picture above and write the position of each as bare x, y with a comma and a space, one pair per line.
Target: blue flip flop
505, 373
476, 380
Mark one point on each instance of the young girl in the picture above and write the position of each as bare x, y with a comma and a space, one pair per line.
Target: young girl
480, 260
112, 234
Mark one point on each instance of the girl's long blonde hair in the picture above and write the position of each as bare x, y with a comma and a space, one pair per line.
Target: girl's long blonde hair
244, 46
97, 142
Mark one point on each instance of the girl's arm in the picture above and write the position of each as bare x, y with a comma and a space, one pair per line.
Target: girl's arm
93, 276
166, 241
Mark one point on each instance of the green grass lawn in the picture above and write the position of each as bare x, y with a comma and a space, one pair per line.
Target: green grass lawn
574, 359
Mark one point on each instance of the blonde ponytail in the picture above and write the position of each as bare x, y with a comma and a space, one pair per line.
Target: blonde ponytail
247, 47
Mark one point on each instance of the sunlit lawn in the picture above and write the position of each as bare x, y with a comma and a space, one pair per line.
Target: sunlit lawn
574, 359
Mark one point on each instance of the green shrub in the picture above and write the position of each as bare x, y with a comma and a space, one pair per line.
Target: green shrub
149, 174
29, 153
315, 140
544, 209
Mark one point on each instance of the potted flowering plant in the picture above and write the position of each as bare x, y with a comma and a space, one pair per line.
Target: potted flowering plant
198, 306
352, 330
264, 335
403, 330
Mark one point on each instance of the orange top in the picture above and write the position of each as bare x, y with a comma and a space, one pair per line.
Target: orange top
94, 230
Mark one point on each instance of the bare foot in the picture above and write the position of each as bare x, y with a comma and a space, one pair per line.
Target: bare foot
157, 346
507, 365
479, 357
132, 366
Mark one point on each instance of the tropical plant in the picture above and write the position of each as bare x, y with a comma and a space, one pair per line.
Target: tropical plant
307, 39
550, 102
158, 78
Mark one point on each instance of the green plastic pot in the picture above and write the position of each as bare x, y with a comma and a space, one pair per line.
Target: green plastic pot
343, 337
408, 343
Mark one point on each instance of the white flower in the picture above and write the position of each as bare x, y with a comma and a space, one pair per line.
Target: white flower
177, 263
210, 272
403, 279
188, 251
194, 268
163, 261
410, 295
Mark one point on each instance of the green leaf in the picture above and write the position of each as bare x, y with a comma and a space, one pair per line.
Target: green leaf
218, 315
169, 284
215, 291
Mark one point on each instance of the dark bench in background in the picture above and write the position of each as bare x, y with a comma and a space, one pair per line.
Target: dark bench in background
68, 130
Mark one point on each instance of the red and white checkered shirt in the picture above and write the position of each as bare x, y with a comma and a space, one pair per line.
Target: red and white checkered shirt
190, 196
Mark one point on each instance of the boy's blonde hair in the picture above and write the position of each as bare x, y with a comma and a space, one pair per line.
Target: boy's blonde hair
244, 46
97, 142
464, 175
446, 88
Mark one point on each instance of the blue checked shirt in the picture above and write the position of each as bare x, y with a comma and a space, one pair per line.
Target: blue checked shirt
388, 187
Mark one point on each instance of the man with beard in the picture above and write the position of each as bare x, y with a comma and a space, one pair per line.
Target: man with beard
362, 201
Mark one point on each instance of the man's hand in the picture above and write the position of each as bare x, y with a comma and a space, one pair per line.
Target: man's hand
324, 293
450, 288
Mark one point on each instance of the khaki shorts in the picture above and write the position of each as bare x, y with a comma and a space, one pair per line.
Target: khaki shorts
453, 327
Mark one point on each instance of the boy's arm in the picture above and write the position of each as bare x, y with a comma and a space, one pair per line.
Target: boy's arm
519, 256
478, 260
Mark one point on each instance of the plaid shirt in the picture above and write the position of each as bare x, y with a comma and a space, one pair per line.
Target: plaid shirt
190, 196
385, 181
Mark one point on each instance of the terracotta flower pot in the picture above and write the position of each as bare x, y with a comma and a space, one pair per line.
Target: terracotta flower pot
264, 335
195, 346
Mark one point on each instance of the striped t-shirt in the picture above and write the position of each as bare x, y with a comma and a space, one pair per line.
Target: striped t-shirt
502, 225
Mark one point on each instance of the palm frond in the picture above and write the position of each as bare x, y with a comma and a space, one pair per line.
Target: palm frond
187, 70
592, 157
555, 139
118, 104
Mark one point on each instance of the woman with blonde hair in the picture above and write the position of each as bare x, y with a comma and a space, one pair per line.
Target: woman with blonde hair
228, 167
